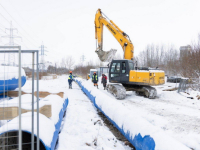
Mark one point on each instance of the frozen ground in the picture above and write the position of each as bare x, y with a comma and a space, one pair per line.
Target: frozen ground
177, 115
82, 128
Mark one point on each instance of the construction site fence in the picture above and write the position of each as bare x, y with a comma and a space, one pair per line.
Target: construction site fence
189, 83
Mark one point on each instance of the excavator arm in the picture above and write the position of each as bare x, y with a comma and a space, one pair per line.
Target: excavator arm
123, 39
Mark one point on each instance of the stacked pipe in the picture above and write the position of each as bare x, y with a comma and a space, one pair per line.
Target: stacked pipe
49, 127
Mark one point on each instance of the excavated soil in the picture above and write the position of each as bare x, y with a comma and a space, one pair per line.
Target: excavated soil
115, 131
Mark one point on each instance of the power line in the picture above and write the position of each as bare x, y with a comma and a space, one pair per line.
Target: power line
82, 58
11, 36
27, 47
2, 25
9, 22
11, 57
17, 23
42, 56
4, 18
2, 30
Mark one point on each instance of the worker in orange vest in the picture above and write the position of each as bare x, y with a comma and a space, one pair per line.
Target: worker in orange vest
70, 79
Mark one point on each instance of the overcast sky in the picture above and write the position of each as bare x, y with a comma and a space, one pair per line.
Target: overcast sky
66, 27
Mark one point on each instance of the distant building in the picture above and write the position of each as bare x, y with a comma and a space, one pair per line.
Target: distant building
184, 50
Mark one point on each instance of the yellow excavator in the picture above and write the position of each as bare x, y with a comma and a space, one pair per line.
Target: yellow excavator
124, 75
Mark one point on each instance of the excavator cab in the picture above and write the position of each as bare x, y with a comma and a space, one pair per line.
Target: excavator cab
119, 71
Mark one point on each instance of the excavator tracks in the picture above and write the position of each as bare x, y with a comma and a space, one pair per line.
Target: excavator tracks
148, 92
119, 91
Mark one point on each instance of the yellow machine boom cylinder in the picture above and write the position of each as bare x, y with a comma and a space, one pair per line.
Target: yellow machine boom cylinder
116, 26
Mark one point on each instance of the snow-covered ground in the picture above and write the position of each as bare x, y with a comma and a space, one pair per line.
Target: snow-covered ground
9, 72
82, 128
177, 115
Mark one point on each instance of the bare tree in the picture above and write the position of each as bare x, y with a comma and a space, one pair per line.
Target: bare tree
63, 64
68, 62
166, 58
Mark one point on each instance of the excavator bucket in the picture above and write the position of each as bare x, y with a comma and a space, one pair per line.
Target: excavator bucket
106, 56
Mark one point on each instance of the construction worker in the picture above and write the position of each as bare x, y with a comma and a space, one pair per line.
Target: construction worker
95, 79
104, 80
70, 79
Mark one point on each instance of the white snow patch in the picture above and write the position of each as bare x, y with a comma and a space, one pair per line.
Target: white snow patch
9, 72
46, 125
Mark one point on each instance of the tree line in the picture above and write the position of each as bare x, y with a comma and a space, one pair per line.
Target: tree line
68, 64
169, 59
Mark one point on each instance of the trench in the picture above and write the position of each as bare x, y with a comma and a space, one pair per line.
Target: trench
119, 136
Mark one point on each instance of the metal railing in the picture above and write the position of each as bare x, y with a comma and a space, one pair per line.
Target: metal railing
186, 84
34, 64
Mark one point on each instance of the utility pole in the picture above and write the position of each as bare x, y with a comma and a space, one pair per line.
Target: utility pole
82, 59
42, 54
55, 68
11, 57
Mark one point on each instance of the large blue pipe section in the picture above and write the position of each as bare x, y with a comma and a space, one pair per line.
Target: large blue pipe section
56, 130
11, 84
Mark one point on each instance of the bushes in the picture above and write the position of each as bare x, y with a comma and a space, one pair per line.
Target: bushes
168, 58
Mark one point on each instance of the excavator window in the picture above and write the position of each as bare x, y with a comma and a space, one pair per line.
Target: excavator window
115, 68
118, 68
131, 66
123, 67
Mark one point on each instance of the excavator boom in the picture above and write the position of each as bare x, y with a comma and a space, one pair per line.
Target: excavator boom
126, 44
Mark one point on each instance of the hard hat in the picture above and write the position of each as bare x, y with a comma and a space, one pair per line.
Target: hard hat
70, 72
94, 72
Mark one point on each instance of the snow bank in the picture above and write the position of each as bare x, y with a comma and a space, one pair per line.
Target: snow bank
48, 127
9, 78
9, 72
141, 133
